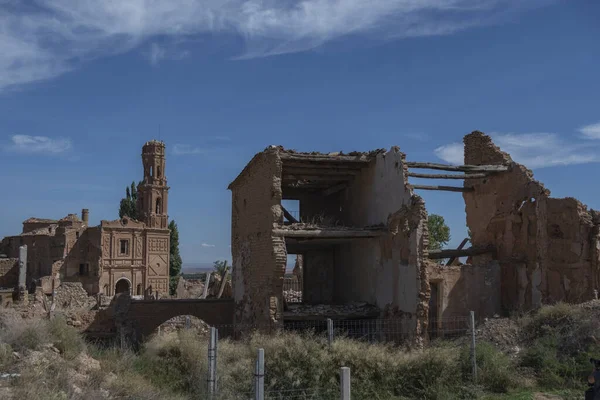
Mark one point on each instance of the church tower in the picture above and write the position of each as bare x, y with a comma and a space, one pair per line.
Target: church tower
153, 192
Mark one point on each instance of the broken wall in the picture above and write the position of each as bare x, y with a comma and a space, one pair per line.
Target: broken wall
514, 213
9, 272
466, 288
319, 276
259, 259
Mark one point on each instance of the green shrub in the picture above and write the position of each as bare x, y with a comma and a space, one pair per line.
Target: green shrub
495, 371
65, 338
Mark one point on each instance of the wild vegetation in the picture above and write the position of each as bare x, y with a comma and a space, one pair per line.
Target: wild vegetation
54, 362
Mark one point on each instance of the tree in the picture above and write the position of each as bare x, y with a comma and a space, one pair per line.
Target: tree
439, 232
221, 267
174, 257
128, 205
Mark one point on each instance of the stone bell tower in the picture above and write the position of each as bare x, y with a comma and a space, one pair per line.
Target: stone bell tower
153, 191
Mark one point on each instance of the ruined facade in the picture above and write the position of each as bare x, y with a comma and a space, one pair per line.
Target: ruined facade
547, 248
124, 255
362, 234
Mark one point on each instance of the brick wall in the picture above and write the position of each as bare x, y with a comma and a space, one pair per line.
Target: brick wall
546, 247
9, 272
259, 259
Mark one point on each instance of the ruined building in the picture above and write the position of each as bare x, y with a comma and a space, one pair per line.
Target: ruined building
123, 255
362, 233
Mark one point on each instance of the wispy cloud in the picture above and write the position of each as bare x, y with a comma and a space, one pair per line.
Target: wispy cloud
184, 149
207, 245
158, 53
49, 37
534, 150
39, 144
591, 131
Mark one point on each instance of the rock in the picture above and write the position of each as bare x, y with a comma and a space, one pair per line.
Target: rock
76, 324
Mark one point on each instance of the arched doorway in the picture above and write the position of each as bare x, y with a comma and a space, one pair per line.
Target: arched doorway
123, 286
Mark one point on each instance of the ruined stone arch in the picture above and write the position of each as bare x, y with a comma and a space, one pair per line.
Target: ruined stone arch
123, 285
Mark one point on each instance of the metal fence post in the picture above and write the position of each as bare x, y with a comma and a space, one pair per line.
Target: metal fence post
259, 376
473, 355
329, 331
345, 383
212, 362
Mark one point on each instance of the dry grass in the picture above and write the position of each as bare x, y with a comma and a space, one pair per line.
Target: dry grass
55, 363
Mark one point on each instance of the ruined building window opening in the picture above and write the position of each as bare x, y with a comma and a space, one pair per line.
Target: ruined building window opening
84, 269
105, 290
124, 247
77, 235
293, 208
159, 206
151, 171
138, 291
158, 171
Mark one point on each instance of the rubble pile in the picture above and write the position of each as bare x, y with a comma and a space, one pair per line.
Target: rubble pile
292, 296
179, 323
72, 295
332, 310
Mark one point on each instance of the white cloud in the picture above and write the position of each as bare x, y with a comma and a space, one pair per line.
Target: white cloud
158, 53
452, 153
591, 131
207, 245
534, 150
49, 37
39, 144
184, 149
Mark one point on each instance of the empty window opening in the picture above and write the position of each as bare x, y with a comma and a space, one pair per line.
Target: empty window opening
158, 171
293, 279
77, 235
84, 269
124, 247
138, 291
158, 206
151, 171
293, 210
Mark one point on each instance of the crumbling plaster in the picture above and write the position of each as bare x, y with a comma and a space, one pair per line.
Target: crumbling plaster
545, 246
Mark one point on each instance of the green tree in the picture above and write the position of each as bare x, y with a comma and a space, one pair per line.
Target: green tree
439, 232
128, 205
174, 257
221, 267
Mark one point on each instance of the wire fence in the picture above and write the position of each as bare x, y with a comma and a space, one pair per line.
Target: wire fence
373, 331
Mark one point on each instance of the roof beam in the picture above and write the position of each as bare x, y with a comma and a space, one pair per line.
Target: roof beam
471, 251
289, 177
443, 188
325, 158
328, 233
327, 170
335, 189
464, 168
448, 176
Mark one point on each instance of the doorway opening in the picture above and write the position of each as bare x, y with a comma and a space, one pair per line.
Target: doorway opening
123, 286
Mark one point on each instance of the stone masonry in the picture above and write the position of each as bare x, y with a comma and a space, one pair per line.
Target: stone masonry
124, 255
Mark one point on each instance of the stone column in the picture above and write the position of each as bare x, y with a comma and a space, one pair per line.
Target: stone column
22, 285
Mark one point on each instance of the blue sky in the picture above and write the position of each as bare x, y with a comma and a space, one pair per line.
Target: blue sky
83, 84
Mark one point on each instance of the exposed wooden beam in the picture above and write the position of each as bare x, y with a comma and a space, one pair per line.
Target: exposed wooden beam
327, 170
328, 233
460, 247
464, 168
444, 188
325, 158
471, 251
223, 282
335, 189
448, 176
316, 178
288, 216
322, 166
